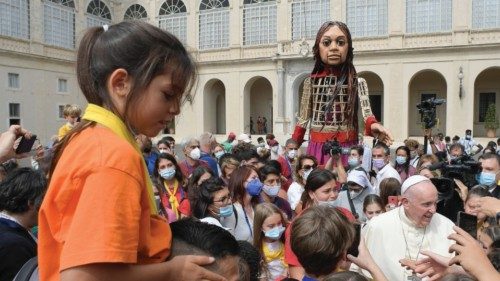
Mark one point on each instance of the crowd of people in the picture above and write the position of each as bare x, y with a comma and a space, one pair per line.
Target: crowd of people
106, 202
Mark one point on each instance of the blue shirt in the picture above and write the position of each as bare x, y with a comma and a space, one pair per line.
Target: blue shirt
308, 279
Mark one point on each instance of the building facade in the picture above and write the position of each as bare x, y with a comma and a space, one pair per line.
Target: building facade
253, 56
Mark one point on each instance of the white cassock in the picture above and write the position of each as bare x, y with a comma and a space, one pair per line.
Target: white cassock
385, 239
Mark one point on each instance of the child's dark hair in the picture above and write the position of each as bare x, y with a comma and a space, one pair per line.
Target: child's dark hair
373, 199
143, 51
316, 179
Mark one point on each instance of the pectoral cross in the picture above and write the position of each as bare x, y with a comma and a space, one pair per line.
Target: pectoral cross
414, 277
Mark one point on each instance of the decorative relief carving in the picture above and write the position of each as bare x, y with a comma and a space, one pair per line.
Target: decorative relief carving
216, 55
427, 40
258, 52
368, 44
484, 36
14, 45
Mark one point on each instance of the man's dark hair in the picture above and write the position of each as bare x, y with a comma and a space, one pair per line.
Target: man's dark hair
491, 156
267, 170
456, 138
251, 256
381, 145
205, 196
359, 148
457, 145
246, 153
207, 238
447, 139
21, 187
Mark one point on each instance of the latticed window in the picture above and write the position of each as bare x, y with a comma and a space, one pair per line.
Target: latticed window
98, 14
173, 18
424, 16
214, 24
59, 23
14, 18
259, 22
308, 16
485, 14
367, 17
136, 12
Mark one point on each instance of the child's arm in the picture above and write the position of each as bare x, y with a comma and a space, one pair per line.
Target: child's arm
181, 268
365, 261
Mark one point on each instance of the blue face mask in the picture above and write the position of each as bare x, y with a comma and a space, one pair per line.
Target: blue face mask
167, 173
219, 154
226, 211
275, 232
486, 178
271, 190
254, 187
400, 160
353, 162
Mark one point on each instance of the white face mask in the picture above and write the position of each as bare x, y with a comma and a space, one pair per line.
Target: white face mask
355, 194
163, 150
306, 173
292, 153
274, 149
195, 154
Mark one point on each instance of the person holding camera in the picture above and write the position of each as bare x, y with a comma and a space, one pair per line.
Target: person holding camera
469, 144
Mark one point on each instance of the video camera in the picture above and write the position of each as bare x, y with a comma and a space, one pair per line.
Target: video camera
332, 147
427, 110
463, 168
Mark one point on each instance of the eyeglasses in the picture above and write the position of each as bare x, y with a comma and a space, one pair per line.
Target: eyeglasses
307, 167
225, 199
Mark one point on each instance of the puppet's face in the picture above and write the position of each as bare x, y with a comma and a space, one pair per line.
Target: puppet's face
333, 46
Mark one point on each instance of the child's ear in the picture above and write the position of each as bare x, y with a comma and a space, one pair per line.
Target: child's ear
119, 85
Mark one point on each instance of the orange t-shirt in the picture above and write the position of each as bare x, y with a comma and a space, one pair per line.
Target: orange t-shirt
97, 208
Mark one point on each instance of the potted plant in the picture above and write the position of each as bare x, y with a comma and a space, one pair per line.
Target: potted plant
491, 123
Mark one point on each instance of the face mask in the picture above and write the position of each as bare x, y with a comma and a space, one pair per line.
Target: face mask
330, 203
271, 190
254, 187
292, 153
167, 173
467, 137
195, 154
274, 149
225, 212
275, 232
163, 150
486, 178
413, 154
453, 157
353, 162
306, 173
400, 160
219, 154
378, 163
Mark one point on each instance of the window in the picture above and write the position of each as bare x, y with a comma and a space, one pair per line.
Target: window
13, 80
62, 85
214, 24
424, 16
60, 110
485, 99
59, 23
308, 16
14, 18
367, 17
173, 18
485, 14
14, 114
98, 14
259, 22
136, 12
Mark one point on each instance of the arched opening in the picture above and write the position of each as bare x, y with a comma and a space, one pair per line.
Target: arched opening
424, 85
376, 93
486, 92
214, 107
259, 104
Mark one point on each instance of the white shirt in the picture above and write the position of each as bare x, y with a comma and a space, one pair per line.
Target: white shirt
387, 172
468, 144
243, 229
294, 194
392, 236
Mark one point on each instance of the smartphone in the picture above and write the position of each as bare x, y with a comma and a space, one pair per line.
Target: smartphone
353, 250
25, 145
468, 223
393, 200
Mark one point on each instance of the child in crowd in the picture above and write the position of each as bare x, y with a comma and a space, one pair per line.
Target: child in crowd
72, 114
372, 206
269, 225
99, 220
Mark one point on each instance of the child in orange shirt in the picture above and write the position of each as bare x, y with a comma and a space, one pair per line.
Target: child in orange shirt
99, 220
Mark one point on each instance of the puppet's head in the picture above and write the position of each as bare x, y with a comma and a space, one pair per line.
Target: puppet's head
333, 45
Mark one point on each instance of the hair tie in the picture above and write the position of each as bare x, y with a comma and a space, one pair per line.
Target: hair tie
105, 27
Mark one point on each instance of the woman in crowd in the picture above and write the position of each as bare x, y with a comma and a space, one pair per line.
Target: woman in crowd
245, 186
228, 163
212, 202
305, 165
402, 163
198, 176
373, 206
169, 182
271, 180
